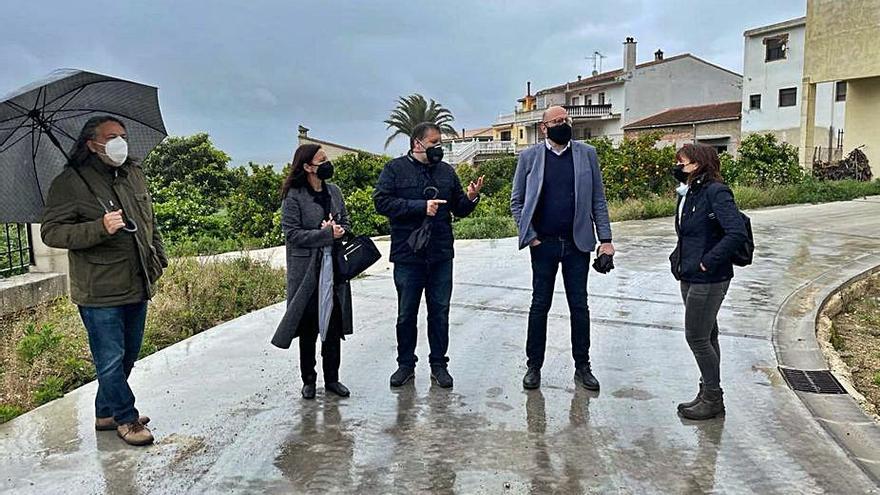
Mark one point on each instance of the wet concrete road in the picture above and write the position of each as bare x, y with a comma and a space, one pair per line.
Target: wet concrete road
228, 418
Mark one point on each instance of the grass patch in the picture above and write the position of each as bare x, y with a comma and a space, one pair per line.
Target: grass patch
44, 351
484, 227
855, 330
206, 245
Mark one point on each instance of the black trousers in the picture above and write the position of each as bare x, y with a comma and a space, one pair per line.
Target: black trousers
331, 348
701, 305
546, 259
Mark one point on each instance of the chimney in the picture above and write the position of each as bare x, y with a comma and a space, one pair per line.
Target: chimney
629, 55
658, 55
303, 131
528, 88
579, 77
462, 132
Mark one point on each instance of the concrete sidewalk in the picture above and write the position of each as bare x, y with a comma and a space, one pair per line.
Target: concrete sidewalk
228, 418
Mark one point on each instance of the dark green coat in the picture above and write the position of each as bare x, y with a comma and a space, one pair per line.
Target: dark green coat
105, 270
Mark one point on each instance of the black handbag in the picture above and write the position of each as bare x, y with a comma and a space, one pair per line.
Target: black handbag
353, 256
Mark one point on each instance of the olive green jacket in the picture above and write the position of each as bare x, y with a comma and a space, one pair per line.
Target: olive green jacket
105, 270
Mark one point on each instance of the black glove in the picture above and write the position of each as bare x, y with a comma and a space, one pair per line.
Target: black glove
603, 263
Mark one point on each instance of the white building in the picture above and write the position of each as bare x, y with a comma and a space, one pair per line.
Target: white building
601, 105
773, 69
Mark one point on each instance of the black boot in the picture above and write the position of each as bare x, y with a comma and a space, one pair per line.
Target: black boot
710, 405
308, 391
440, 375
532, 380
584, 376
402, 376
337, 388
692, 403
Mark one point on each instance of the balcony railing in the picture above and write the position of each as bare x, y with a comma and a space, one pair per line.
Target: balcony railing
466, 152
574, 111
588, 111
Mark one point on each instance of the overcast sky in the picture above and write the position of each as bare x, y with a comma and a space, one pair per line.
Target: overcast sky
249, 71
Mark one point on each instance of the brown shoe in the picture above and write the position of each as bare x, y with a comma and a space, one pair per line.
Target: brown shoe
109, 424
135, 434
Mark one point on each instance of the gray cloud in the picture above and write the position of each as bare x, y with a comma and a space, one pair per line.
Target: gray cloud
249, 72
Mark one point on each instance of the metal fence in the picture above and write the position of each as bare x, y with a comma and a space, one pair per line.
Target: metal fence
16, 249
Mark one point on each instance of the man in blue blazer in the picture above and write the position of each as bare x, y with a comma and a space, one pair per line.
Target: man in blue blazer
558, 202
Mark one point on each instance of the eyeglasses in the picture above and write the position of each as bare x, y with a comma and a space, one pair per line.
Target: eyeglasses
556, 122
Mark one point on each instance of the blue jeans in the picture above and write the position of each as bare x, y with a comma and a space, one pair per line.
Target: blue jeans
546, 258
115, 337
411, 279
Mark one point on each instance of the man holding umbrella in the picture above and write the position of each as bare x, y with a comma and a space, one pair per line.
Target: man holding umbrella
419, 193
100, 210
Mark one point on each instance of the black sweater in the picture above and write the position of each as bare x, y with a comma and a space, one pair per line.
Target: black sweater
554, 214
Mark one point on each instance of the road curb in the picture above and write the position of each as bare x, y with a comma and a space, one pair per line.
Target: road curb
796, 346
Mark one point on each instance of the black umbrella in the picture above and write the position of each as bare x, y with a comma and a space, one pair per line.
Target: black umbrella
42, 120
419, 238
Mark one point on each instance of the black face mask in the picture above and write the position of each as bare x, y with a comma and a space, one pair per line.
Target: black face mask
679, 174
434, 154
560, 134
325, 170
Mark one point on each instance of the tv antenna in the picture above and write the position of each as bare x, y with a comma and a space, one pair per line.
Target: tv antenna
597, 62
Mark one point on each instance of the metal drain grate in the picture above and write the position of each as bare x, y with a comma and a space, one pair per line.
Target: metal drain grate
816, 382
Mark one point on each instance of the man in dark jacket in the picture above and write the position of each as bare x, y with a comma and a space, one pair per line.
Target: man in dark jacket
558, 203
421, 191
100, 210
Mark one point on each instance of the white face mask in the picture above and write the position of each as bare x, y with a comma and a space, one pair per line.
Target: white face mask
116, 151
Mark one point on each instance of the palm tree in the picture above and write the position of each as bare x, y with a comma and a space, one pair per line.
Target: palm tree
412, 110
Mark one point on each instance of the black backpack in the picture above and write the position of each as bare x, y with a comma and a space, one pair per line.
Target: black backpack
746, 253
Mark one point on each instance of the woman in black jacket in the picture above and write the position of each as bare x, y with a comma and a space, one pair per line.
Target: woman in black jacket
710, 229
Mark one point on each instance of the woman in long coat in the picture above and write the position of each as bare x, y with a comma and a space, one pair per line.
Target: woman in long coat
314, 219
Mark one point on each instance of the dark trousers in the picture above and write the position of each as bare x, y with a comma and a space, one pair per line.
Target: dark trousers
546, 258
115, 337
435, 280
331, 348
701, 305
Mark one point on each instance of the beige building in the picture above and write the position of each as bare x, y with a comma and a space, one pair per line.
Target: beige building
842, 43
716, 125
333, 150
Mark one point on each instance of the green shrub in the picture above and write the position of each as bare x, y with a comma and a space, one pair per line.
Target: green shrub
254, 201
75, 371
763, 161
876, 378
362, 213
636, 168
207, 245
9, 411
497, 175
182, 212
52, 388
35, 342
357, 171
484, 228
496, 205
